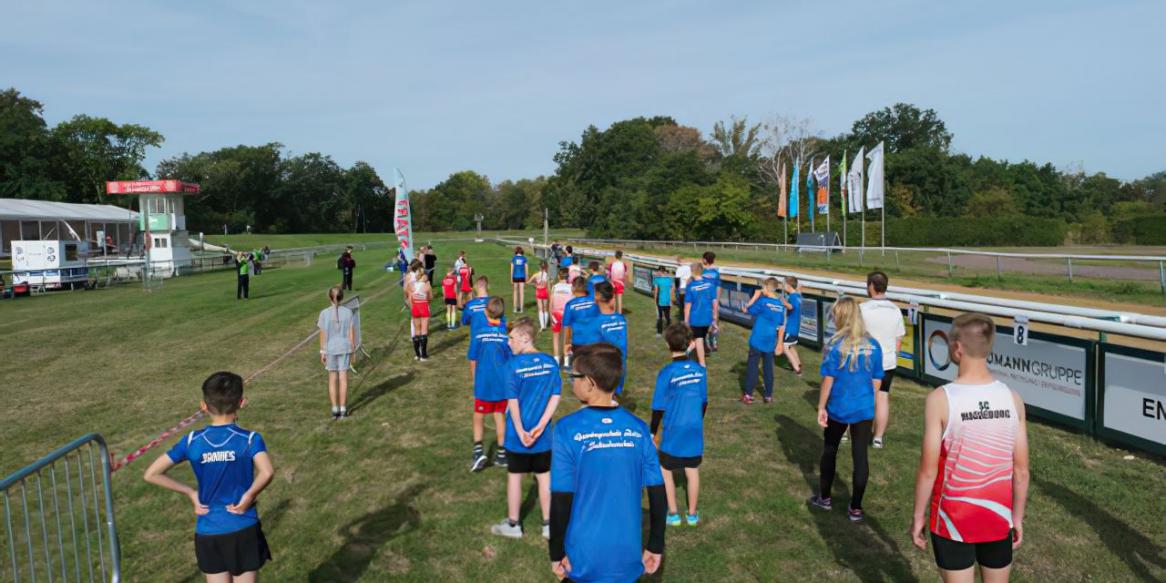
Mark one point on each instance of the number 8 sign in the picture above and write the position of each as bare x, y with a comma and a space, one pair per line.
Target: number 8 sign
1020, 330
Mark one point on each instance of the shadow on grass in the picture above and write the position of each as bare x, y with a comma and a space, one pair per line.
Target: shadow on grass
364, 536
270, 518
1133, 547
365, 398
870, 558
448, 341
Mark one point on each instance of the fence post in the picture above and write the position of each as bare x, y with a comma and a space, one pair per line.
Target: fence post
1162, 275
998, 275
949, 269
897, 266
1069, 260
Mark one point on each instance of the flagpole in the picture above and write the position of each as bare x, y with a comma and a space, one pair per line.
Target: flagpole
884, 218
862, 203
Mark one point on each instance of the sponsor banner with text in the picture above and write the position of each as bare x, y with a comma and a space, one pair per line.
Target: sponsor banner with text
1133, 399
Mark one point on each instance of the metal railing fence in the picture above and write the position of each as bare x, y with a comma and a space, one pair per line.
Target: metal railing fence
58, 517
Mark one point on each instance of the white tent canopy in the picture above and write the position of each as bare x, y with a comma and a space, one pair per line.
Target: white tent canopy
22, 219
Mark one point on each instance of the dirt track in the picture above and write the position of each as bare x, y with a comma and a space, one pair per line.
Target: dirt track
1050, 267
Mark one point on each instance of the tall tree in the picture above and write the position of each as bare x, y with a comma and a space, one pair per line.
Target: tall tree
96, 149
902, 126
27, 150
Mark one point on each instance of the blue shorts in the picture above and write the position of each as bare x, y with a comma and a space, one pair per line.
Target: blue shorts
337, 362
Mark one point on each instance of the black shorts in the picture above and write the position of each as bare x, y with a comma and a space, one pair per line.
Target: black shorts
234, 552
678, 463
790, 341
519, 280
700, 331
451, 301
888, 378
956, 556
528, 463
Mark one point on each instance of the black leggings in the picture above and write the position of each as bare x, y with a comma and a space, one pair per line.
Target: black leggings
860, 435
243, 288
663, 318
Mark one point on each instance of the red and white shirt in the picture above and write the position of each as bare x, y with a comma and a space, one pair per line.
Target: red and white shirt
971, 500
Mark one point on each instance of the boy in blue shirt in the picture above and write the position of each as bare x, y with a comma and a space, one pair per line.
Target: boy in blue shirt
713, 274
680, 402
613, 327
663, 292
852, 370
232, 467
595, 277
533, 386
474, 314
603, 459
518, 278
578, 315
768, 313
489, 351
700, 307
793, 318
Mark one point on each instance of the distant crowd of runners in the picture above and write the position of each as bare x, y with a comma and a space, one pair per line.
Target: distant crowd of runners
593, 465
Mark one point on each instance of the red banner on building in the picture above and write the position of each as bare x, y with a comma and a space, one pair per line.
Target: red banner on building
150, 187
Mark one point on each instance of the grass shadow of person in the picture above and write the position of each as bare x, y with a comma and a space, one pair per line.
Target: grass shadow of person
365, 398
870, 558
365, 535
270, 518
444, 345
1135, 549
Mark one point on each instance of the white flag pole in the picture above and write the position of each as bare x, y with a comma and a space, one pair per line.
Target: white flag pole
862, 203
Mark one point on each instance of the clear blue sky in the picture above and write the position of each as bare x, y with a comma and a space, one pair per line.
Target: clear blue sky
436, 87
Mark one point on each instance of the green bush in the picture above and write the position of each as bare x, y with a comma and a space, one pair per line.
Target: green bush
1021, 231
1144, 230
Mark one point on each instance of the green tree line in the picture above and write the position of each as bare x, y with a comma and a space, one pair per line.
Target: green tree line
646, 178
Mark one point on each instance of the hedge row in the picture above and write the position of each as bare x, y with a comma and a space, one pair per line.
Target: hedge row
1019, 231
1149, 230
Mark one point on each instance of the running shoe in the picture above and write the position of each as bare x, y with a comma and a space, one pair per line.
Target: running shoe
692, 519
673, 520
821, 503
767, 400
479, 462
506, 529
747, 399
877, 443
856, 515
500, 458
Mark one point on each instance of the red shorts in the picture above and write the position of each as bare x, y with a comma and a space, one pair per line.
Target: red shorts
542, 293
420, 309
618, 287
556, 322
484, 407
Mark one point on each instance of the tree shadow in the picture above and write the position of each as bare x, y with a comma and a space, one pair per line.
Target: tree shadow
880, 561
269, 520
1134, 548
365, 398
366, 535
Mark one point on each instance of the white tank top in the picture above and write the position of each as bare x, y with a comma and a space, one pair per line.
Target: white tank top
560, 295
618, 270
971, 500
419, 291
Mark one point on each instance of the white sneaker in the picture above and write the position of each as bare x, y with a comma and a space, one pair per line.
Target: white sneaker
507, 530
877, 443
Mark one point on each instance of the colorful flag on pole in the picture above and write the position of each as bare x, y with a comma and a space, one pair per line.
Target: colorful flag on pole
403, 215
793, 194
810, 192
822, 176
854, 183
782, 211
874, 182
842, 178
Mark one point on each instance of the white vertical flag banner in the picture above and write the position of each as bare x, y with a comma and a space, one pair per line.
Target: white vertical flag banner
402, 215
874, 182
854, 182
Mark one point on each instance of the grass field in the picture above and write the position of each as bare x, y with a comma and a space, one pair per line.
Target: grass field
386, 495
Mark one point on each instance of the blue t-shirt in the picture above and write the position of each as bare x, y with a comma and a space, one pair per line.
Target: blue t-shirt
532, 379
221, 457
700, 293
613, 329
794, 318
566, 261
664, 284
519, 263
682, 391
491, 349
768, 315
712, 274
852, 396
591, 281
474, 315
579, 315
605, 457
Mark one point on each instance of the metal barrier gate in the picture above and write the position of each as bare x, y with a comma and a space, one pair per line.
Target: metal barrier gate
57, 525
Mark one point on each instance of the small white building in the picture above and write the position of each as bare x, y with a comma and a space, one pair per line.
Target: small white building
107, 229
163, 219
